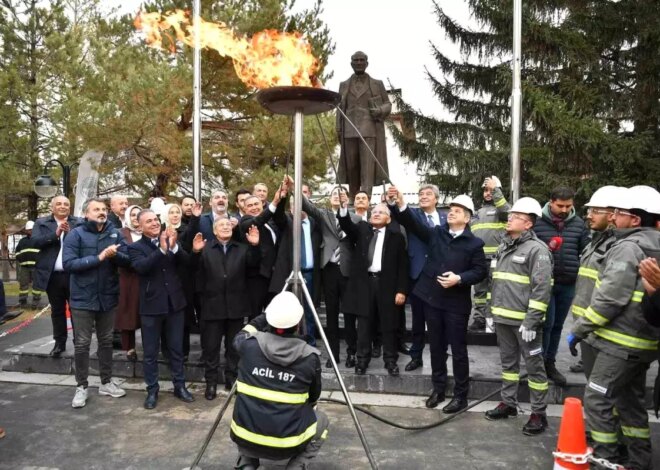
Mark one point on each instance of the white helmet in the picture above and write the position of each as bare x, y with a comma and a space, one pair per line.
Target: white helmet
29, 225
527, 205
644, 198
607, 196
284, 311
463, 201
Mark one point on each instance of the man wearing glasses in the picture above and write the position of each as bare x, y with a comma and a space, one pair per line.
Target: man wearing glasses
522, 285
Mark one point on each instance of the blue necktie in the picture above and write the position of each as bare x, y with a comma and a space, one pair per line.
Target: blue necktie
430, 220
154, 242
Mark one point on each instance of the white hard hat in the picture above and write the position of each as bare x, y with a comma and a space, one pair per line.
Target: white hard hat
527, 205
29, 225
644, 198
463, 201
284, 311
607, 196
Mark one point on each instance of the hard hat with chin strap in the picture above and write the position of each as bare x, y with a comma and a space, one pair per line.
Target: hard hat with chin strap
284, 311
464, 201
527, 205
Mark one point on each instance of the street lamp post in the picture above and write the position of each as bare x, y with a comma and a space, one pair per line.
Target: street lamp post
46, 186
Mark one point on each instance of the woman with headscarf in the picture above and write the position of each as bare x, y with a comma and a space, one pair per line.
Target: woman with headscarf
127, 319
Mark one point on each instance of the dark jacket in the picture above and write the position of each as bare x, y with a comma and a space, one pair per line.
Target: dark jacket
417, 249
44, 238
26, 253
287, 367
462, 255
115, 220
267, 248
575, 235
221, 279
160, 286
94, 284
393, 274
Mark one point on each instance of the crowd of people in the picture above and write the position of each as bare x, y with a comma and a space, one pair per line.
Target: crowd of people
516, 269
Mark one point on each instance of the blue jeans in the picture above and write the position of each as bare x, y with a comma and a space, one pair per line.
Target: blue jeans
560, 303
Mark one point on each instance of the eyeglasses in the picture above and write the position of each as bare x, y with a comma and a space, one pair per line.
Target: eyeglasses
622, 212
591, 210
518, 217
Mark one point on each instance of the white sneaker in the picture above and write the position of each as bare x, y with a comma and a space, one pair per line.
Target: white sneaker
111, 389
80, 398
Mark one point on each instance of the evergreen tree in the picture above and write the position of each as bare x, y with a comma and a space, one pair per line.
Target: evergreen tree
590, 94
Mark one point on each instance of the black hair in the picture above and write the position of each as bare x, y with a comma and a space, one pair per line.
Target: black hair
646, 219
188, 196
363, 192
241, 191
562, 193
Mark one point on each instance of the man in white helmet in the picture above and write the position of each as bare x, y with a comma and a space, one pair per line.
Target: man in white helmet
600, 217
626, 344
522, 282
489, 224
278, 385
455, 262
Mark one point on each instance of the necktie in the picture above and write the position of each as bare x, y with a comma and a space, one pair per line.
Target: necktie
154, 242
430, 220
372, 247
224, 248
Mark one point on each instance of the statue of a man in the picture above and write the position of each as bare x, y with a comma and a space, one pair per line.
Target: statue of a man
365, 102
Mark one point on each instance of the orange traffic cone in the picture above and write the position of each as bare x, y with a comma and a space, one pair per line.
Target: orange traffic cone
572, 437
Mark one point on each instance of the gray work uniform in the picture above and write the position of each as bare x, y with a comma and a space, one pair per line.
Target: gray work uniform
591, 262
489, 224
522, 282
614, 325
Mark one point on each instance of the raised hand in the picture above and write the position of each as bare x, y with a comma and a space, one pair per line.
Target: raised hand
172, 237
399, 299
252, 235
197, 209
162, 240
198, 243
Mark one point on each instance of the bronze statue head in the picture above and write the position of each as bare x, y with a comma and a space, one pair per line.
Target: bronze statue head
359, 62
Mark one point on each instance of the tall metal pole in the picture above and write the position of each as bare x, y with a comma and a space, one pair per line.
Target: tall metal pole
197, 104
297, 203
516, 98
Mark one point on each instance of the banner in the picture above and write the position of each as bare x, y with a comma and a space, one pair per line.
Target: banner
88, 179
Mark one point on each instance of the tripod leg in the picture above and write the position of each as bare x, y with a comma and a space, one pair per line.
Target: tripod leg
361, 434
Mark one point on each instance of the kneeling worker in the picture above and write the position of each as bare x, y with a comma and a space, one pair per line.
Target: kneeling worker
278, 384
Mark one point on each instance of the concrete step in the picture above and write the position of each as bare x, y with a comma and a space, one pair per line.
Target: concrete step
484, 367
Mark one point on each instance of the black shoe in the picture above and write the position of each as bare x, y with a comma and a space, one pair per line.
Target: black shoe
246, 463
376, 351
34, 305
536, 425
414, 364
350, 360
12, 313
152, 400
328, 364
577, 368
211, 392
392, 369
455, 405
501, 411
360, 369
404, 349
183, 394
229, 382
479, 324
553, 374
435, 399
57, 350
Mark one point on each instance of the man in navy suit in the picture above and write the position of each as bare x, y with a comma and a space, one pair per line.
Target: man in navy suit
219, 210
456, 261
428, 214
155, 258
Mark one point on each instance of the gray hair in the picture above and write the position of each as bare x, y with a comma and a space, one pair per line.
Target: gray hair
90, 200
144, 211
218, 220
433, 188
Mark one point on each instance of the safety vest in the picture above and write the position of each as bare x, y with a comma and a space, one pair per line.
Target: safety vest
26, 253
489, 223
272, 408
522, 281
592, 260
614, 322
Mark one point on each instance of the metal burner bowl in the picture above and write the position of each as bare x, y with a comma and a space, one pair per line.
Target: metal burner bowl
291, 99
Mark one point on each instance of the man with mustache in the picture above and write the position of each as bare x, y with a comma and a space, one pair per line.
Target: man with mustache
566, 235
219, 210
91, 256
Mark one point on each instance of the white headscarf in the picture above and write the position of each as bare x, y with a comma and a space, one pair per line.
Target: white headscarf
136, 233
166, 215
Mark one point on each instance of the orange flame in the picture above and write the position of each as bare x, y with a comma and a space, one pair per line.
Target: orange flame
270, 58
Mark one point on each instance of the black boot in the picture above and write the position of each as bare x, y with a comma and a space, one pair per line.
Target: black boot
479, 324
553, 374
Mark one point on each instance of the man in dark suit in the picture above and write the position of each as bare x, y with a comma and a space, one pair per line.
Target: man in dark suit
455, 262
118, 206
335, 269
239, 201
259, 277
221, 267
366, 103
219, 210
428, 214
378, 282
48, 235
162, 302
